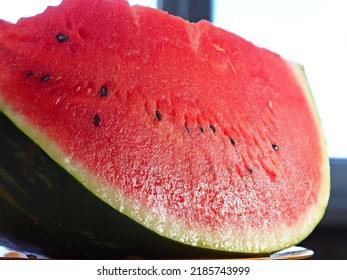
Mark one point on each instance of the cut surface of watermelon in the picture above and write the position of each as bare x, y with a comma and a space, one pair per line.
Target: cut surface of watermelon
187, 129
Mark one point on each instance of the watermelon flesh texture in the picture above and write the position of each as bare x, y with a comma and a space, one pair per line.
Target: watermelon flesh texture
47, 213
187, 129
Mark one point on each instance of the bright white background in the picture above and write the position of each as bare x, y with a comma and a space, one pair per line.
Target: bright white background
88, 270
14, 9
311, 32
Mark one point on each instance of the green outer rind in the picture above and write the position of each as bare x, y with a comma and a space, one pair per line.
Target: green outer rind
318, 209
284, 238
45, 211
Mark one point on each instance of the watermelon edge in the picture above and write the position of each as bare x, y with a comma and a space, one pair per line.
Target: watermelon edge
239, 241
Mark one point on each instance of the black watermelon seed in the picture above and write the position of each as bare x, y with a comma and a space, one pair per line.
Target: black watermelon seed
201, 129
275, 147
232, 141
45, 78
61, 38
187, 130
250, 171
158, 115
96, 120
30, 74
103, 91
213, 128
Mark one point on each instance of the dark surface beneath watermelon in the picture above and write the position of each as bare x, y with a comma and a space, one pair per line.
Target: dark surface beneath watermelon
173, 127
57, 223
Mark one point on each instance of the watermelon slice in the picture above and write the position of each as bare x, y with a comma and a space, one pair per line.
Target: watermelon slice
187, 134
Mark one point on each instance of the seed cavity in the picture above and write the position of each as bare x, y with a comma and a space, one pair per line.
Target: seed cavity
62, 38
213, 128
103, 91
158, 115
45, 78
96, 120
232, 141
30, 74
275, 147
201, 129
250, 171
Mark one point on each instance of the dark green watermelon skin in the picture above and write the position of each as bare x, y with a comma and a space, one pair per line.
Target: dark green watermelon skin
62, 219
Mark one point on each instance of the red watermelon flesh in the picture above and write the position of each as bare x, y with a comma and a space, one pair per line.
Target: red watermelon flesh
186, 128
